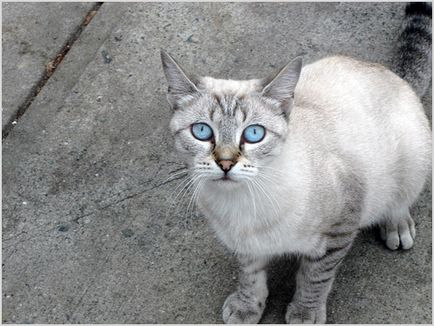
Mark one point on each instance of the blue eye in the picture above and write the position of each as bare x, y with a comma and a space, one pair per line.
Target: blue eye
254, 133
201, 131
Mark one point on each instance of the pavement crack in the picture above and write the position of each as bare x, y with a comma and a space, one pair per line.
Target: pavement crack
130, 196
50, 68
78, 218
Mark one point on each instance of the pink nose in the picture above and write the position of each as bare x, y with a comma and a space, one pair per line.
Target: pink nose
226, 165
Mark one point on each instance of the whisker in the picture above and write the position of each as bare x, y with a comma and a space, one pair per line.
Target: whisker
179, 200
271, 199
253, 197
276, 180
262, 217
277, 171
183, 185
187, 189
195, 195
168, 179
194, 187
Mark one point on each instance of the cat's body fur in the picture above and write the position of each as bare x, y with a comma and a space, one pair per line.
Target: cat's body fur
347, 145
355, 135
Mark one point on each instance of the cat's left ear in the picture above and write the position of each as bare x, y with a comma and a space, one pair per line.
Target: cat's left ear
181, 87
280, 87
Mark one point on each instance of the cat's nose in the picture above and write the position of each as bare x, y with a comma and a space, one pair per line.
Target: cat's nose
226, 165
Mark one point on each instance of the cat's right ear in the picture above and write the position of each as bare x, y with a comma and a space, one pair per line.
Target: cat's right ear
181, 88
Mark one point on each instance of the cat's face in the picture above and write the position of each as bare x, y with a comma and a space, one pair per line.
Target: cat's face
228, 131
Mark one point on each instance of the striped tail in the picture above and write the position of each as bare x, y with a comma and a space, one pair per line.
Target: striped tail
413, 60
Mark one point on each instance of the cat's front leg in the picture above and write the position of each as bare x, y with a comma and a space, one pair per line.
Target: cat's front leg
314, 281
246, 305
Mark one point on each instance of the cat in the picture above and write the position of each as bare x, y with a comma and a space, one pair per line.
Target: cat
298, 162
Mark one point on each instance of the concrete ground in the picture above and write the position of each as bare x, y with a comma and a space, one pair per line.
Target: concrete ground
91, 233
32, 35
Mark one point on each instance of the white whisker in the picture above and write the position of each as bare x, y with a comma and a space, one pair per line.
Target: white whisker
195, 195
271, 199
174, 175
253, 198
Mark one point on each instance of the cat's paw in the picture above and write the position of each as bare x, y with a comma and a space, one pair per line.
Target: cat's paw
237, 310
396, 233
299, 315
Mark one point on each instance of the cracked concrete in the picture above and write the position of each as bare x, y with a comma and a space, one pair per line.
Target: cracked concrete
32, 35
91, 230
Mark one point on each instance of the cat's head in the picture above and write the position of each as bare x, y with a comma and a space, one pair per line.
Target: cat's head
227, 131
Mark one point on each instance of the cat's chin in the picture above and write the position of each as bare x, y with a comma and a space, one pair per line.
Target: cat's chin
224, 180
226, 183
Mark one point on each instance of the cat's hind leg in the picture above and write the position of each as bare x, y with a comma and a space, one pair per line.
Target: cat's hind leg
397, 229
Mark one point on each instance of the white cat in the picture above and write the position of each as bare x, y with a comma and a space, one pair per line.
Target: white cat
299, 162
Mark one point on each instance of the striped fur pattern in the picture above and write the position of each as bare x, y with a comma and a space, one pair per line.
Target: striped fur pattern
316, 274
336, 157
414, 57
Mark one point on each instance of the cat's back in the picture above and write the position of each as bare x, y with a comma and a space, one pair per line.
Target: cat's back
347, 97
367, 117
341, 81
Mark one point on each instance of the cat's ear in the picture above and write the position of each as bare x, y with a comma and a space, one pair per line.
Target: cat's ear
280, 87
181, 87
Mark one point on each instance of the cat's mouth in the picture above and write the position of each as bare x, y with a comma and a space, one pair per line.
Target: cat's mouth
225, 178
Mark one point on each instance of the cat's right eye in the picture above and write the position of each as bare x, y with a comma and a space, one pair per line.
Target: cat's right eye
201, 131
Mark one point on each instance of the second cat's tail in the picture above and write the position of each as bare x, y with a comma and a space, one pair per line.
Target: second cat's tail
413, 59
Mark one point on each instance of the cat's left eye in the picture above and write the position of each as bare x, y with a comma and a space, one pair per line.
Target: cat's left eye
254, 133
